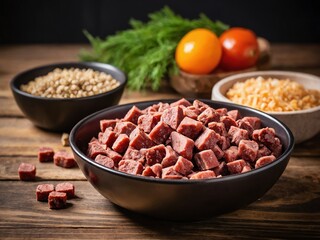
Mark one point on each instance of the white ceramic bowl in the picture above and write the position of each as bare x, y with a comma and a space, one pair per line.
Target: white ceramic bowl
304, 124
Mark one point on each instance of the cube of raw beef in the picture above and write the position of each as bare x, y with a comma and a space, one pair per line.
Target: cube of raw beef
222, 111
183, 166
255, 122
121, 144
199, 104
236, 166
206, 160
207, 139
139, 139
133, 154
276, 147
170, 173
133, 114
263, 151
245, 125
124, 127
95, 148
228, 122
43, 191
172, 116
57, 200
155, 154
45, 154
108, 137
237, 134
203, 175
147, 122
190, 128
182, 101
154, 170
264, 160
182, 145
218, 151
116, 157
231, 154
106, 123
224, 142
246, 168
221, 169
248, 150
191, 112
149, 110
160, 133
67, 188
264, 135
218, 127
170, 158
234, 114
104, 160
130, 166
64, 159
208, 115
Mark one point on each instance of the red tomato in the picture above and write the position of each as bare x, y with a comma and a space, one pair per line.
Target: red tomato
240, 49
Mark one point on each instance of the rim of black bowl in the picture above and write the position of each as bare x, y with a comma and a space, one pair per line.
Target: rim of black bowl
16, 87
183, 181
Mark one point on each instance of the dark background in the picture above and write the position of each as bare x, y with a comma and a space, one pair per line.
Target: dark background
62, 21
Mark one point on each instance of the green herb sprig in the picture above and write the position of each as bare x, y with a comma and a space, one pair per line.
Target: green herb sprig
146, 51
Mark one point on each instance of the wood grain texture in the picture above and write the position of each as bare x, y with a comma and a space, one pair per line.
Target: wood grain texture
290, 210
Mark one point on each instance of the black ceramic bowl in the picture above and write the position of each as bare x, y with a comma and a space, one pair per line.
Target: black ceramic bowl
61, 114
178, 199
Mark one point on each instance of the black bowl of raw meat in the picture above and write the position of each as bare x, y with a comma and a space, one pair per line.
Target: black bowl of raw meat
61, 114
179, 199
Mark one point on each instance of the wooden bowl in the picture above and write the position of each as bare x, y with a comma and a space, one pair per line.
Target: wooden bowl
200, 86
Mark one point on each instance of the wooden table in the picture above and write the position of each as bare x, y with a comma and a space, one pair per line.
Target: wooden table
291, 209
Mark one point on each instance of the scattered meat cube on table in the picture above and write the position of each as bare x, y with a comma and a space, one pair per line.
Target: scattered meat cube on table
43, 191
67, 188
27, 172
57, 200
64, 159
45, 154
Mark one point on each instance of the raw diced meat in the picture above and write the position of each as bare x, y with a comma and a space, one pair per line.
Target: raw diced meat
236, 166
224, 143
181, 102
221, 169
124, 127
108, 137
149, 110
116, 157
190, 127
203, 175
57, 200
199, 104
64, 159
121, 144
154, 171
183, 166
191, 112
234, 114
27, 172
133, 114
67, 188
276, 147
147, 122
106, 123
182, 145
163, 106
218, 151
170, 158
130, 166
246, 168
228, 122
160, 133
133, 154
173, 116
253, 121
43, 191
231, 154
139, 139
237, 134
95, 148
206, 160
222, 111
104, 160
207, 139
248, 150
264, 135
170, 173
218, 127
45, 154
263, 151
246, 126
208, 115
264, 160
155, 154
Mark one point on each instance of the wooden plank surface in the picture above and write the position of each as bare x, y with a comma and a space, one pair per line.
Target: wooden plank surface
291, 209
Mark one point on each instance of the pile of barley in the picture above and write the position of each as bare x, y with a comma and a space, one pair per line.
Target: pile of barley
71, 83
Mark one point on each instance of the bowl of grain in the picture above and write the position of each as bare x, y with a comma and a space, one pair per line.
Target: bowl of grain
55, 97
291, 97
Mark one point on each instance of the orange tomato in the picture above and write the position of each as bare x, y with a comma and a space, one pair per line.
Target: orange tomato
240, 49
198, 52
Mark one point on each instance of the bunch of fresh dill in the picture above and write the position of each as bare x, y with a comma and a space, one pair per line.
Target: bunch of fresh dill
146, 51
